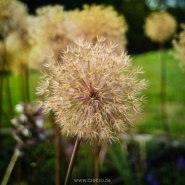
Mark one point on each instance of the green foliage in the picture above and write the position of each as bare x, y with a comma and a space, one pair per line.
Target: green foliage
119, 161
150, 122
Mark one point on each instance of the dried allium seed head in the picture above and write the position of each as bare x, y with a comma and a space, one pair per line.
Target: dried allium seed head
93, 93
180, 47
12, 13
98, 20
18, 46
53, 32
160, 26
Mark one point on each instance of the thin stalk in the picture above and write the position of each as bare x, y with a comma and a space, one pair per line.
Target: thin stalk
9, 95
163, 93
22, 87
27, 83
97, 162
11, 165
142, 155
1, 98
1, 84
58, 155
18, 173
58, 152
7, 81
72, 160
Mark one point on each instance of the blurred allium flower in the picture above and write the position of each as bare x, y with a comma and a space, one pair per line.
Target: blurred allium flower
28, 124
98, 20
53, 33
12, 13
180, 47
93, 93
160, 26
18, 46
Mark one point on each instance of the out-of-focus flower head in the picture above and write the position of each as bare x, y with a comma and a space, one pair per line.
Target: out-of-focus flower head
102, 21
94, 93
54, 31
160, 26
28, 128
18, 46
12, 13
180, 47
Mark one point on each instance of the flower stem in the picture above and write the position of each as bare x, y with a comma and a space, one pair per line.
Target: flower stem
72, 160
58, 155
11, 165
1, 98
27, 84
9, 95
163, 93
22, 87
97, 163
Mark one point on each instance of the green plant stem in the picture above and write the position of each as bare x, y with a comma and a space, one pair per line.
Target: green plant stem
142, 154
97, 162
163, 92
27, 83
1, 98
9, 96
21, 86
7, 82
58, 155
72, 160
11, 165
1, 84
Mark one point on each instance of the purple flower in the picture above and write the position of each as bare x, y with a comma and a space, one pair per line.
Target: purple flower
155, 182
149, 178
180, 162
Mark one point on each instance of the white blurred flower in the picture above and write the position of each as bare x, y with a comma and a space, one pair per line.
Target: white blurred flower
19, 108
23, 118
14, 122
26, 132
39, 123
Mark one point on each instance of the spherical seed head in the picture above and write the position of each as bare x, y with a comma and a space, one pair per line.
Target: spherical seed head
98, 20
18, 46
53, 32
160, 26
92, 91
12, 14
179, 46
